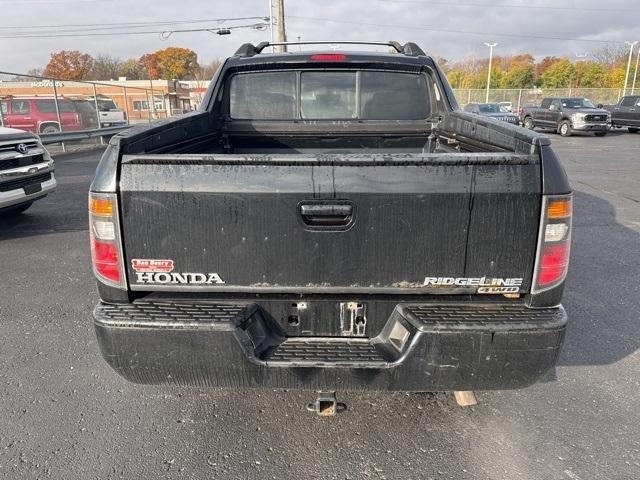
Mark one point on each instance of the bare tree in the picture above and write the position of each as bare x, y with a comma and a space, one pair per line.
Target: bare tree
610, 55
105, 67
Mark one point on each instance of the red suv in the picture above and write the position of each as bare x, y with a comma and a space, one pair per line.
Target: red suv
38, 114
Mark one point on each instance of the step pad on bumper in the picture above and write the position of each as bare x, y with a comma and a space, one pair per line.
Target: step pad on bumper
444, 317
325, 352
169, 314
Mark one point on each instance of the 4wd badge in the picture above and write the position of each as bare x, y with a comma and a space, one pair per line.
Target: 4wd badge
160, 272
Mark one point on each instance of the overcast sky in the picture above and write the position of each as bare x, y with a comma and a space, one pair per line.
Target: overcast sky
402, 20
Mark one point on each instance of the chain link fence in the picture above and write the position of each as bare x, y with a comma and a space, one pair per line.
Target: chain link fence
533, 96
45, 105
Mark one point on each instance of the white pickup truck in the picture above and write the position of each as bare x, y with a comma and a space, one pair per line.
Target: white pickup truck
110, 114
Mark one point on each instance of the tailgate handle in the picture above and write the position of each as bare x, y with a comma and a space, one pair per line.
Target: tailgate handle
327, 215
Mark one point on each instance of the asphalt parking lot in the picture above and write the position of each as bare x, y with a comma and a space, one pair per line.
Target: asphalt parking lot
65, 415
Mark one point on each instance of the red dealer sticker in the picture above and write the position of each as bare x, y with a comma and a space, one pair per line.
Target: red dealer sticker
151, 265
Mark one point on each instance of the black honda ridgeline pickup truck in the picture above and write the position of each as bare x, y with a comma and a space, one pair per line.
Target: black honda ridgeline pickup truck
331, 221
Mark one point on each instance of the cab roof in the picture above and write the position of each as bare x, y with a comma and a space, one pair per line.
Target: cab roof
407, 54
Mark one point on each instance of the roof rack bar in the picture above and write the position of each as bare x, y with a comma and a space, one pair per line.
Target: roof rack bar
390, 43
411, 49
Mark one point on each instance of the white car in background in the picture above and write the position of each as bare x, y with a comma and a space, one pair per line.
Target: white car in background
507, 105
109, 113
26, 171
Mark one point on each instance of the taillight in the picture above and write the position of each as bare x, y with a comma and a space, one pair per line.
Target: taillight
554, 242
106, 246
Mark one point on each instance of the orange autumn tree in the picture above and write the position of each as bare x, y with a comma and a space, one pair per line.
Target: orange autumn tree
69, 65
177, 62
170, 63
149, 64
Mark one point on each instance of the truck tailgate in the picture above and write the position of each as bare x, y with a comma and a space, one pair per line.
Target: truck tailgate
328, 223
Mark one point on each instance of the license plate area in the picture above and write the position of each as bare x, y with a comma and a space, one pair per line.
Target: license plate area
344, 317
31, 189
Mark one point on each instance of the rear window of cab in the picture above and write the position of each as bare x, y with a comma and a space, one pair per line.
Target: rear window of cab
329, 95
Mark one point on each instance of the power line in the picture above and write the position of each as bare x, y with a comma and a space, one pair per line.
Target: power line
464, 32
130, 24
510, 5
165, 33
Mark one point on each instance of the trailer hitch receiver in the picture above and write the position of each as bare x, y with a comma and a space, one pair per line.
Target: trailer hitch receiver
326, 405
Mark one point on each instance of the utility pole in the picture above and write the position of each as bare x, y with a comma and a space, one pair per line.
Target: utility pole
281, 35
491, 47
635, 72
271, 25
626, 77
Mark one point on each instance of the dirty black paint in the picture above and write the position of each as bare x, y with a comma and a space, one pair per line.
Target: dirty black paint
242, 222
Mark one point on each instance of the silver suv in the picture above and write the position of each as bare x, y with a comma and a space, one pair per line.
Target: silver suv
26, 171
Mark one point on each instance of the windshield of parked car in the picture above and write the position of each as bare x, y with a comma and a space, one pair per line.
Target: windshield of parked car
86, 107
106, 105
327, 95
577, 103
492, 108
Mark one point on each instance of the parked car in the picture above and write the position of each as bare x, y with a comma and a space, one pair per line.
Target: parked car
626, 113
523, 108
507, 105
493, 110
568, 115
39, 114
110, 114
87, 113
311, 227
26, 171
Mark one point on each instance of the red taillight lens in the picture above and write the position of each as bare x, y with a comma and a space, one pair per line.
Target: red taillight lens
553, 263
554, 242
328, 57
104, 233
106, 259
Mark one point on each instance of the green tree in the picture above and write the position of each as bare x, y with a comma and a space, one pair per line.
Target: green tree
520, 76
559, 74
615, 77
590, 74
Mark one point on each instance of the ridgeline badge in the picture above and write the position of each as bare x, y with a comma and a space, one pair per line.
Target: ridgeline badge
484, 284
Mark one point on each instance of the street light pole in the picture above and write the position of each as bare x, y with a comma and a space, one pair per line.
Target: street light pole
626, 77
491, 46
635, 72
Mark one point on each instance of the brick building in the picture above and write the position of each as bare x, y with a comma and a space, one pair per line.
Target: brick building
140, 99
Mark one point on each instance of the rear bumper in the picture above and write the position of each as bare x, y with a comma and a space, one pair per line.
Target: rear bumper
437, 348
